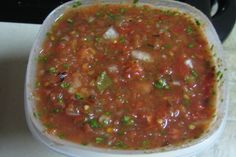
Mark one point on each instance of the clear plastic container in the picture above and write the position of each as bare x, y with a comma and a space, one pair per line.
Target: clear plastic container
186, 150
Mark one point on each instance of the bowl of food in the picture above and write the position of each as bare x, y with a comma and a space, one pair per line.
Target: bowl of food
118, 78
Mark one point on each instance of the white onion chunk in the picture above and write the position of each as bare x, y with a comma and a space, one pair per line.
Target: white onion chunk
111, 34
189, 63
141, 55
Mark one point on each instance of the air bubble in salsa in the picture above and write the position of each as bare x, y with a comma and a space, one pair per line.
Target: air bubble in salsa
125, 77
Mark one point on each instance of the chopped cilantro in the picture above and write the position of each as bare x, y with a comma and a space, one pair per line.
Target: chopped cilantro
197, 22
122, 40
145, 143
120, 144
161, 84
78, 96
127, 120
189, 30
186, 101
61, 135
191, 126
55, 110
65, 85
169, 12
97, 39
212, 46
194, 73
76, 4
190, 46
60, 99
135, 1
112, 16
107, 113
192, 77
99, 139
98, 14
103, 82
49, 125
66, 66
36, 114
42, 58
219, 75
84, 144
167, 46
37, 84
123, 10
93, 123
189, 78
52, 70
120, 133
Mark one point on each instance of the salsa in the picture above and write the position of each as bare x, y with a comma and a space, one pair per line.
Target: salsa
125, 77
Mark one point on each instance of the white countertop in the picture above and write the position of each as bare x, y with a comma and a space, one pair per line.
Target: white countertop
16, 140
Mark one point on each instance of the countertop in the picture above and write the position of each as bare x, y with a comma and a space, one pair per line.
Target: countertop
15, 139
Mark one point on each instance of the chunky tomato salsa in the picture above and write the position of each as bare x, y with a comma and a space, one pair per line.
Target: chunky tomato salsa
125, 77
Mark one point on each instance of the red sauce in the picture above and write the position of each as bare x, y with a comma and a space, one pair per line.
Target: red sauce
125, 77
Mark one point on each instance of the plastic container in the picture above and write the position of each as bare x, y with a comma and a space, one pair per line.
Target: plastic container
186, 150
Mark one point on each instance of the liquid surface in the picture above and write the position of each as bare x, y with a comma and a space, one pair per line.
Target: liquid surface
125, 77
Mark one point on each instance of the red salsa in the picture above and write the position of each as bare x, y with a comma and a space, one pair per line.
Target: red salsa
125, 77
